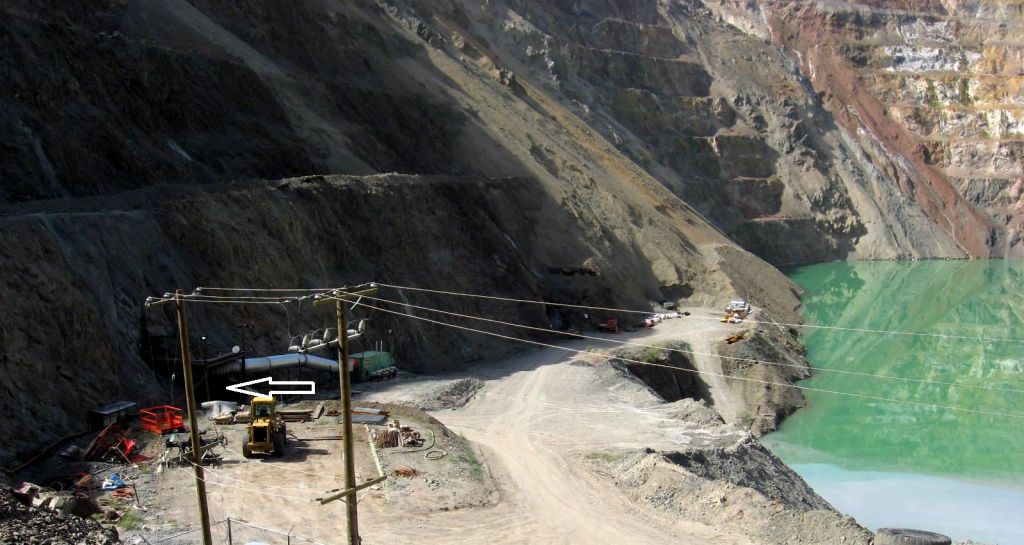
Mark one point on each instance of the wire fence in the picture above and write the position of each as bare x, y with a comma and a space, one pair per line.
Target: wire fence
234, 532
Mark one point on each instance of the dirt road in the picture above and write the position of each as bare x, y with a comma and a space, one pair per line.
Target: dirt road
535, 419
535, 422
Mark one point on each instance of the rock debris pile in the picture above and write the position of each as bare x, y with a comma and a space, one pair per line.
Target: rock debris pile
23, 524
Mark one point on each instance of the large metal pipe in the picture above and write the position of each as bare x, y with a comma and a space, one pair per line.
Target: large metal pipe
271, 363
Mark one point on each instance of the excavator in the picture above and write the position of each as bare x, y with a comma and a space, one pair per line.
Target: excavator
267, 432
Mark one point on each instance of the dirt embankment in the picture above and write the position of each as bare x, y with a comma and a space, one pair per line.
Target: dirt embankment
730, 480
742, 487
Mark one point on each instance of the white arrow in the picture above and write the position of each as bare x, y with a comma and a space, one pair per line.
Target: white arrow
238, 388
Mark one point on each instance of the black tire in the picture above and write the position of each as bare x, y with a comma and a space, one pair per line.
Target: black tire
245, 450
279, 443
903, 536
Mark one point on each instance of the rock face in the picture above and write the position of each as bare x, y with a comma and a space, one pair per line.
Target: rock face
649, 144
933, 87
724, 120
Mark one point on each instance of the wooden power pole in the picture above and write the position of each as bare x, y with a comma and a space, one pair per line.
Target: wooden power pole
193, 421
346, 417
340, 297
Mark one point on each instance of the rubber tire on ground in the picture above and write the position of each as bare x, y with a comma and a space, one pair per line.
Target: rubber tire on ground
245, 450
903, 536
279, 444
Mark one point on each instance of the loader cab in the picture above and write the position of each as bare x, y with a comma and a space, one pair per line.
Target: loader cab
262, 407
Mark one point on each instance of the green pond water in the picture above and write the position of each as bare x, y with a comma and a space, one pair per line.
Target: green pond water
839, 440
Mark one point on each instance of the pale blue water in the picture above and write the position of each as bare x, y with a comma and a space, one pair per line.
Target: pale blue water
960, 510
892, 464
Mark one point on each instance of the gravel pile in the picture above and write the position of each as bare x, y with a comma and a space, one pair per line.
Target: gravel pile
22, 524
695, 412
454, 395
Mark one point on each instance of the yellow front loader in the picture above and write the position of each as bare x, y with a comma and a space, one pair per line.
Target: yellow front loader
266, 432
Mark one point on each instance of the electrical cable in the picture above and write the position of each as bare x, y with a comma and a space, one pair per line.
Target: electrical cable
280, 290
233, 302
245, 297
746, 379
240, 299
253, 491
284, 467
681, 351
647, 312
225, 477
204, 288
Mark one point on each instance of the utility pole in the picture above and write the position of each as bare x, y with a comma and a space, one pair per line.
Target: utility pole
346, 417
340, 297
193, 421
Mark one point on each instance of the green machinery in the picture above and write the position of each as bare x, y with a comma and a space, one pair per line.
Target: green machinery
371, 365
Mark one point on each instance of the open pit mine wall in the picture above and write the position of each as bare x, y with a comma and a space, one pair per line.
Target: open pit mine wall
934, 88
636, 140
723, 119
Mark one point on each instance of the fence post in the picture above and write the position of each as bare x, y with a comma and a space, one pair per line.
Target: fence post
229, 532
289, 536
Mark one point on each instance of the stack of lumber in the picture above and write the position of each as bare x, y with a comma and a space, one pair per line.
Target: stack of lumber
295, 415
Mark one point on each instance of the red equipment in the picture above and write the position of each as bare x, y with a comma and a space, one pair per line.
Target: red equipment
162, 419
610, 325
110, 444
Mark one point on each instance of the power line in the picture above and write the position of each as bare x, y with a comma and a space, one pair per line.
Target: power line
648, 312
286, 290
512, 300
198, 297
679, 350
282, 466
192, 296
204, 288
249, 490
225, 477
203, 298
157, 301
766, 382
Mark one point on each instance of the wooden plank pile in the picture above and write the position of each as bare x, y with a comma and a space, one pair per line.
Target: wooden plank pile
295, 415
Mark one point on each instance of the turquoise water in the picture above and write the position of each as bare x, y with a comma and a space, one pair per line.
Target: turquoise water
872, 458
